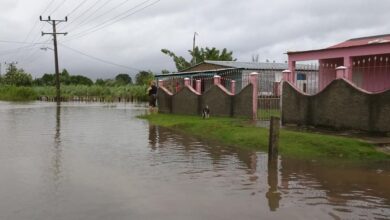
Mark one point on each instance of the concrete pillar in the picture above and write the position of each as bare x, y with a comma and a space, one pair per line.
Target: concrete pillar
187, 82
348, 65
253, 78
198, 86
233, 87
160, 83
287, 75
217, 80
341, 72
291, 67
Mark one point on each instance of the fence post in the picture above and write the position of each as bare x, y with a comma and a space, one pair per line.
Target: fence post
287, 75
233, 87
187, 82
340, 72
217, 80
273, 142
253, 77
198, 85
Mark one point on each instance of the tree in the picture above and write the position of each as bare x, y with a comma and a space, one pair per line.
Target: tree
80, 80
123, 79
200, 55
164, 72
100, 82
17, 77
144, 77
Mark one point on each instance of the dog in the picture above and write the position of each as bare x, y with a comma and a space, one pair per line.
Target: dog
206, 112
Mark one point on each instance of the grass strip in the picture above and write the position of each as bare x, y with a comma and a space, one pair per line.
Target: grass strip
295, 144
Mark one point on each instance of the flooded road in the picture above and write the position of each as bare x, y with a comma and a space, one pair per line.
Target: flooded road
98, 161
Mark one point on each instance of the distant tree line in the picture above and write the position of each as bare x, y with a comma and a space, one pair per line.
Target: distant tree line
18, 77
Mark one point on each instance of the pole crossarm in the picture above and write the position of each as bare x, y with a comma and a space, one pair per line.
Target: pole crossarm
62, 33
54, 23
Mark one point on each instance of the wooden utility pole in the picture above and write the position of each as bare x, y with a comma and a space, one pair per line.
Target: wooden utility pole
273, 143
54, 33
193, 49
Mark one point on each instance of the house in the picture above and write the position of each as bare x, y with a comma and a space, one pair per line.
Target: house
270, 74
366, 59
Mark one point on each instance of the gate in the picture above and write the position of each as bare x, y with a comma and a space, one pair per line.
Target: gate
269, 92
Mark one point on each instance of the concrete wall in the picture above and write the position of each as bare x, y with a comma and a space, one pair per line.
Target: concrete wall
339, 106
219, 101
185, 102
164, 101
242, 102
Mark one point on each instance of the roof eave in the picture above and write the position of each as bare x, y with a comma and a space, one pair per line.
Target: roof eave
335, 48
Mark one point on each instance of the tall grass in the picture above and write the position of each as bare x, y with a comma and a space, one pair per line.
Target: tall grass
13, 93
74, 92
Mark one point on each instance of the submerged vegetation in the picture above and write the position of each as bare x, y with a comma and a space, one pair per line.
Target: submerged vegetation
17, 85
235, 132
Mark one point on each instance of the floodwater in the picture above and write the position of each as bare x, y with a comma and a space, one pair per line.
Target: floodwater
98, 161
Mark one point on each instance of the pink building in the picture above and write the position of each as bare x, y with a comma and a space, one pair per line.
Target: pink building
367, 62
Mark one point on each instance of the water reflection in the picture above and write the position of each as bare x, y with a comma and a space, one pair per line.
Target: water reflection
342, 189
273, 195
57, 150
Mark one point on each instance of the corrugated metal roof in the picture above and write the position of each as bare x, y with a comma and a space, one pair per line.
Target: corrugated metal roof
363, 41
258, 66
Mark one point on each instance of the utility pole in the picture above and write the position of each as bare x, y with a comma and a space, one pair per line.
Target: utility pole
193, 49
10, 64
54, 33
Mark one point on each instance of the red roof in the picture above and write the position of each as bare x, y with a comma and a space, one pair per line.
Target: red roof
363, 41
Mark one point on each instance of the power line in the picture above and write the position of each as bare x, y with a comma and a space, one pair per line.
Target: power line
36, 23
19, 42
77, 7
107, 11
94, 12
113, 20
84, 12
58, 6
98, 59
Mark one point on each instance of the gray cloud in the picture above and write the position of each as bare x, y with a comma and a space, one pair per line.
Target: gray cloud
267, 28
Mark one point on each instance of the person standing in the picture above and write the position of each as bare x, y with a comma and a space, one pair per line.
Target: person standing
152, 93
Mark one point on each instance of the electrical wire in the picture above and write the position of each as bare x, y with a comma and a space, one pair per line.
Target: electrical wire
99, 59
83, 13
113, 20
94, 12
58, 6
106, 12
18, 42
76, 8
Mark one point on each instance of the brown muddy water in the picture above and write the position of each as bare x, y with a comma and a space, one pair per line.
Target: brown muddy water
97, 161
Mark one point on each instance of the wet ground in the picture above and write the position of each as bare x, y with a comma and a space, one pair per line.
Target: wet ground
98, 161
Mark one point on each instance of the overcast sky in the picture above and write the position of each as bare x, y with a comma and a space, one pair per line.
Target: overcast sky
132, 32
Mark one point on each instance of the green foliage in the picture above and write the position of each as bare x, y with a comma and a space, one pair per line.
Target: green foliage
180, 62
144, 77
100, 82
123, 79
80, 80
235, 132
65, 79
164, 72
17, 77
14, 93
199, 55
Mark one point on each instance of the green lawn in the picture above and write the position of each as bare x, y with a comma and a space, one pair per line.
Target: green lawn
240, 133
267, 113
